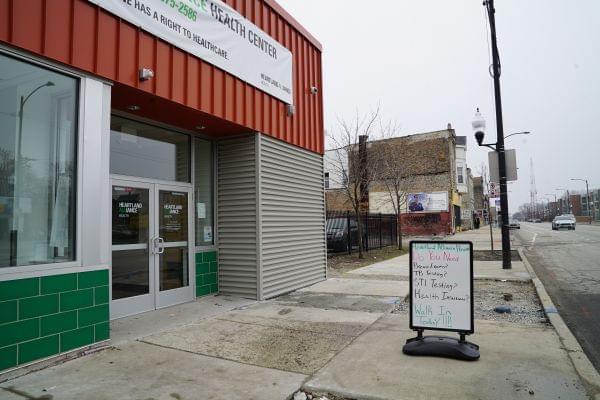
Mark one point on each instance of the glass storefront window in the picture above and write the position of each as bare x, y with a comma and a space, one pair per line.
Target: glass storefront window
38, 125
138, 149
203, 189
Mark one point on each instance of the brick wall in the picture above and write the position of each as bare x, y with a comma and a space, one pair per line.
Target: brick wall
44, 316
575, 200
337, 200
427, 223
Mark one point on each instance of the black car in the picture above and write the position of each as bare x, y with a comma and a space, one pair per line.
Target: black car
337, 234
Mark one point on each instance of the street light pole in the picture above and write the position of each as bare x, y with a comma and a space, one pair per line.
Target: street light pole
555, 202
568, 200
17, 171
506, 253
587, 190
548, 208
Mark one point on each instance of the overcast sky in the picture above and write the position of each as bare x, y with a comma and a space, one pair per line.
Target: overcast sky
426, 63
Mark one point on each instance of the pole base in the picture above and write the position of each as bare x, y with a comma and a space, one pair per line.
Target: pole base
441, 346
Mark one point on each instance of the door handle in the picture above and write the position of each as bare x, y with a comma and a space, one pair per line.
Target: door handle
159, 245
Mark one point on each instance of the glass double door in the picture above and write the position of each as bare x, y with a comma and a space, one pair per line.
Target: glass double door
151, 255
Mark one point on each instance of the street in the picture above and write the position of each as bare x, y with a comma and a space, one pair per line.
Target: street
568, 263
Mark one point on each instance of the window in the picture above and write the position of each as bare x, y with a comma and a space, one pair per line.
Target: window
38, 125
459, 173
203, 192
138, 149
326, 180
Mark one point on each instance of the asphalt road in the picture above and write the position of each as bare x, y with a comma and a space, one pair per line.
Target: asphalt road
568, 263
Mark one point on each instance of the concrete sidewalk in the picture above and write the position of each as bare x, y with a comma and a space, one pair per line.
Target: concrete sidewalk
398, 266
517, 362
336, 337
480, 238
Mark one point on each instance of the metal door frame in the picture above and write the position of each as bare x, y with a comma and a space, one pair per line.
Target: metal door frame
184, 294
155, 299
136, 304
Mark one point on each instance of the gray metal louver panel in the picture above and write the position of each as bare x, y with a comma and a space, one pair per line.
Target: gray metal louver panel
236, 216
292, 218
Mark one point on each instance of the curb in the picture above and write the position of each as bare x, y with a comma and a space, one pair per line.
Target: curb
585, 369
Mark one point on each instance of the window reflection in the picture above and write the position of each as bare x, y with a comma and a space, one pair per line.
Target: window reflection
37, 164
130, 215
138, 149
174, 268
203, 191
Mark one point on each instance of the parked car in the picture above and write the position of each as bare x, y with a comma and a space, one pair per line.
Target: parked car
564, 221
337, 234
513, 224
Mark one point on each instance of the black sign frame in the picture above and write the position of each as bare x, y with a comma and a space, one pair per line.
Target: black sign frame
410, 285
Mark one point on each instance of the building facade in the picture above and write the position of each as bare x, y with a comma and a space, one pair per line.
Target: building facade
150, 157
595, 203
427, 162
480, 200
468, 203
589, 205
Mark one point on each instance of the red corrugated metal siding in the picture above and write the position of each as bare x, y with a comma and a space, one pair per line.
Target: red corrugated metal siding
77, 33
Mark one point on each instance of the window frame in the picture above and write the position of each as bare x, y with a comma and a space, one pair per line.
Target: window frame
460, 176
156, 124
25, 271
193, 137
213, 145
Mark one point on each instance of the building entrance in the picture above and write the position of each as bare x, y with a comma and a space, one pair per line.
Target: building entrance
151, 217
150, 246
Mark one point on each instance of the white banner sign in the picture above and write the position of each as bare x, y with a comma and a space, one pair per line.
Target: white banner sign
427, 202
441, 286
216, 33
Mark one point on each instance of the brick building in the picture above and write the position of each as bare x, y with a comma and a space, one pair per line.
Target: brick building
429, 162
575, 203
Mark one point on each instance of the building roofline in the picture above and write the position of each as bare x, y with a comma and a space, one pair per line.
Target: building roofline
294, 22
398, 137
414, 134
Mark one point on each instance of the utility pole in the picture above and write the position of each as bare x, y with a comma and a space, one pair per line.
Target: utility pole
533, 191
506, 253
487, 205
555, 211
587, 191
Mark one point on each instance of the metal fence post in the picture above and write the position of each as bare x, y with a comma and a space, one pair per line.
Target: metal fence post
349, 236
368, 234
380, 244
393, 229
394, 232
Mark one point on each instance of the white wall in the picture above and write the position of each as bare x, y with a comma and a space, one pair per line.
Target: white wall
334, 163
461, 162
381, 202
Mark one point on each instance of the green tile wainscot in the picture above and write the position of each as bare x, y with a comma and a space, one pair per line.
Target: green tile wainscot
207, 273
45, 316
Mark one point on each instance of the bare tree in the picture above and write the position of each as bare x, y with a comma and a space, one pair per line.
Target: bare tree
352, 165
393, 175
